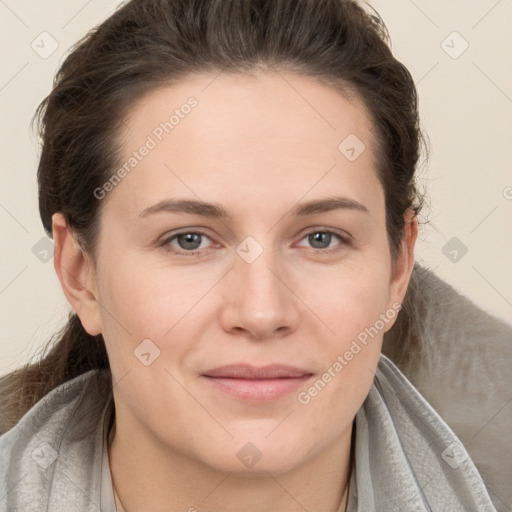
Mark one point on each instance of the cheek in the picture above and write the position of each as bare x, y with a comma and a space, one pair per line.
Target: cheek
350, 300
148, 300
143, 303
354, 307
332, 400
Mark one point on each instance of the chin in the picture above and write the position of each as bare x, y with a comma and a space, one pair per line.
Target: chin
258, 456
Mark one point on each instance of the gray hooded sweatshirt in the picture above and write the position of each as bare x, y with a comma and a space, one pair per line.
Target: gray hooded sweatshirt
406, 458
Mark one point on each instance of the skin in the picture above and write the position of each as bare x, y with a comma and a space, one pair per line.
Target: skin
258, 147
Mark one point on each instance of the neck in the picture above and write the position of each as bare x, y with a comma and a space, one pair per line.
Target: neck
143, 479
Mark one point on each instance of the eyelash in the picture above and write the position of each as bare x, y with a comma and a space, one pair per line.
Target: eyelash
344, 241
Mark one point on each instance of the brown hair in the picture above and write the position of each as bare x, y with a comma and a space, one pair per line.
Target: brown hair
149, 43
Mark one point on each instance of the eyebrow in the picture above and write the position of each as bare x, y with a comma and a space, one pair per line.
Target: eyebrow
216, 211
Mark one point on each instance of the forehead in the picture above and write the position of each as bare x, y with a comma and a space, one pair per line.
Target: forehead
258, 133
277, 107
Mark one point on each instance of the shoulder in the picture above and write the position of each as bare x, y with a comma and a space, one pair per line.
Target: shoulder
458, 356
52, 448
404, 445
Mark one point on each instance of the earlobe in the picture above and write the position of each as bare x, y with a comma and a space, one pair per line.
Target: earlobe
76, 275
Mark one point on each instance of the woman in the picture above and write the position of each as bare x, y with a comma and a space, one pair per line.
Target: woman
230, 189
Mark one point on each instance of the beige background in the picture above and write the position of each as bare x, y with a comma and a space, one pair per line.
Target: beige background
466, 106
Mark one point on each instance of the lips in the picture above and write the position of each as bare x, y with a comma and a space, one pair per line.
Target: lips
245, 371
256, 384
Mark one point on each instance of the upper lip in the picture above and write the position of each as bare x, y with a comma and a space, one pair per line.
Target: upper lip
247, 371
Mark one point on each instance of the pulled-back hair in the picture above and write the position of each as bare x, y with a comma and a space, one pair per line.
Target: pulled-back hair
147, 44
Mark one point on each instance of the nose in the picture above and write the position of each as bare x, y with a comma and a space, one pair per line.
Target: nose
258, 302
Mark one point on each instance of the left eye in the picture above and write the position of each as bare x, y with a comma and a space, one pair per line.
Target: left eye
321, 239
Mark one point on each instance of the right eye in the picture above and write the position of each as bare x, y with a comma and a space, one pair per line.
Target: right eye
187, 242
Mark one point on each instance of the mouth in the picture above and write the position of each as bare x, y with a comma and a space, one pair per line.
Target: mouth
256, 384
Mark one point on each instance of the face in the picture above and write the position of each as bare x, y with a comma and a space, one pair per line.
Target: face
243, 274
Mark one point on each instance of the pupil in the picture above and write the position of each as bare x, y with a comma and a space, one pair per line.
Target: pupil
189, 240
320, 240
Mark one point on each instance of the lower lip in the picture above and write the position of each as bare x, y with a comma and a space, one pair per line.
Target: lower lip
257, 390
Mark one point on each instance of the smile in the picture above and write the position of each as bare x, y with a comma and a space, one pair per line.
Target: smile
263, 384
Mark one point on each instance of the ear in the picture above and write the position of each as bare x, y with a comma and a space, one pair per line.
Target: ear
404, 263
76, 275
